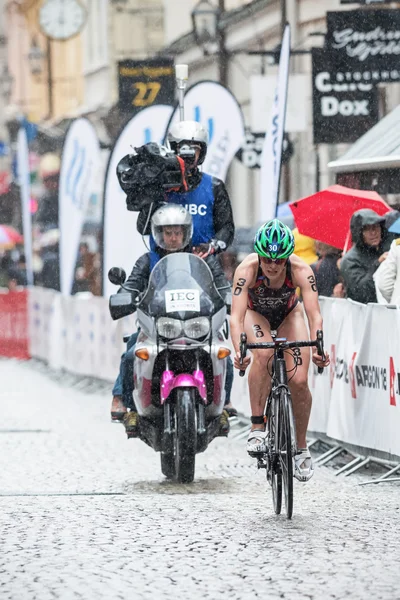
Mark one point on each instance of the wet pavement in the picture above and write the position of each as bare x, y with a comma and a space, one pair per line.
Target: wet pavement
85, 513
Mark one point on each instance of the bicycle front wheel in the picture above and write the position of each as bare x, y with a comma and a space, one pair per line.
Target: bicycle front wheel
274, 472
285, 446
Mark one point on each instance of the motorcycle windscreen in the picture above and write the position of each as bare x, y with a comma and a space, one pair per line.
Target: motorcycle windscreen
181, 285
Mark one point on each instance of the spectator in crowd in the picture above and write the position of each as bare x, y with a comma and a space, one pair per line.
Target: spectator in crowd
81, 283
5, 265
326, 269
94, 275
87, 274
368, 252
49, 171
390, 218
304, 247
50, 255
17, 271
387, 276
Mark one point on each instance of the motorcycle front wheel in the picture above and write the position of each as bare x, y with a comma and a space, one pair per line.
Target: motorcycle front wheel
168, 465
185, 435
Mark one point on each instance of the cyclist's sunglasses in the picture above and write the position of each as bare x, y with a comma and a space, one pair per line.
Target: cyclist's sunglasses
276, 261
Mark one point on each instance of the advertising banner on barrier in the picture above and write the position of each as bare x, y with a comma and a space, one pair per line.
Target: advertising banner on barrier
122, 244
370, 417
213, 105
14, 332
272, 151
79, 168
357, 399
24, 183
76, 333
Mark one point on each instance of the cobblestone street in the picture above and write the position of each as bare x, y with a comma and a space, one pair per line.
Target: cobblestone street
84, 513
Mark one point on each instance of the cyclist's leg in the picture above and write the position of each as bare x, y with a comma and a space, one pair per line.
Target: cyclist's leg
230, 409
294, 328
258, 330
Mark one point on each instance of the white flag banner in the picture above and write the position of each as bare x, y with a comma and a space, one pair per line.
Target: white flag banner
213, 105
122, 243
272, 150
79, 169
24, 183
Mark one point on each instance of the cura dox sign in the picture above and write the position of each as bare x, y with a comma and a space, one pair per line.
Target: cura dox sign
343, 108
180, 300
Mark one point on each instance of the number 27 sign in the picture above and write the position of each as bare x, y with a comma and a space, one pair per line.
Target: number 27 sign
144, 83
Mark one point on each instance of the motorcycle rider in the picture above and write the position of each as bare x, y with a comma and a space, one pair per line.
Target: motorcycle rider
206, 199
172, 230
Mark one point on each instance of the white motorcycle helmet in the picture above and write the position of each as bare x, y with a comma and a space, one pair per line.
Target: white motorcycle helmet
188, 131
171, 215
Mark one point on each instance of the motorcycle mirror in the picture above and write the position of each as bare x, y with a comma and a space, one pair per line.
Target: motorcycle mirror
116, 275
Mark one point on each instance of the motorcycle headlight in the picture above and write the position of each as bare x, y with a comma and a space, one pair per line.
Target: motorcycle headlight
197, 327
169, 328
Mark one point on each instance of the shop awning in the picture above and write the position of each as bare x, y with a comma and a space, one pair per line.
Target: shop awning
378, 149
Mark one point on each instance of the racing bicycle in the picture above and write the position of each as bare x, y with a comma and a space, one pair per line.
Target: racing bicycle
281, 440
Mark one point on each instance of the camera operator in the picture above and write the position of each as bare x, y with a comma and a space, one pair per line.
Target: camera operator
155, 175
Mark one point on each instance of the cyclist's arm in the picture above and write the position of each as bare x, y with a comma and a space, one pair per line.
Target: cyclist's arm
242, 278
305, 279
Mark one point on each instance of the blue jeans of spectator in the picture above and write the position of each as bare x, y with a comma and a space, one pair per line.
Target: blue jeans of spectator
123, 385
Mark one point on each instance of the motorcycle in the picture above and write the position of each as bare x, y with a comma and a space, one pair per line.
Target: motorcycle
180, 360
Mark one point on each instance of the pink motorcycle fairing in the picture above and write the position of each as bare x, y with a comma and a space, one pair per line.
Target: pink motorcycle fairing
170, 381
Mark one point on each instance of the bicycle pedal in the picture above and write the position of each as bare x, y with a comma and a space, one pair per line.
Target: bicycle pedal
261, 463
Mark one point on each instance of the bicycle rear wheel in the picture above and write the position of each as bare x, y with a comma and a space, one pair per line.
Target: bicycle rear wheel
274, 472
285, 446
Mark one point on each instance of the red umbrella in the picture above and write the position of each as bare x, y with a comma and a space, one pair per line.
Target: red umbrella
325, 216
9, 236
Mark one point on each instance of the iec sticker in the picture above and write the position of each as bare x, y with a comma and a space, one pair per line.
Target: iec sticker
177, 300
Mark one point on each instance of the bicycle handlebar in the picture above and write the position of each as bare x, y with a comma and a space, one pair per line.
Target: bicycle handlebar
283, 344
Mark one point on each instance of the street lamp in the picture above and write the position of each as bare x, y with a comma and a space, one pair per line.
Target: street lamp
35, 58
207, 31
6, 83
205, 19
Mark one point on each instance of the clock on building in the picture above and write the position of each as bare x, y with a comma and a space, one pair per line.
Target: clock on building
62, 19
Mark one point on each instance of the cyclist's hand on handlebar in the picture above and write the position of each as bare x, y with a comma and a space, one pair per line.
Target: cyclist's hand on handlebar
245, 363
319, 361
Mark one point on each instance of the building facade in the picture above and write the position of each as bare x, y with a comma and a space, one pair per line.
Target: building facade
257, 26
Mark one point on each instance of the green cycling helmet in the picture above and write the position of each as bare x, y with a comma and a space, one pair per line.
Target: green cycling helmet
274, 240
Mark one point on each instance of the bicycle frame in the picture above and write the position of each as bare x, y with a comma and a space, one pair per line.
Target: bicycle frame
281, 449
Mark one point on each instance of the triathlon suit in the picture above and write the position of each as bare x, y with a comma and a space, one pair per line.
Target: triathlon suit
274, 305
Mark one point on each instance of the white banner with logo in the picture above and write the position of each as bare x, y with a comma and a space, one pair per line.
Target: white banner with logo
25, 187
122, 243
76, 333
357, 400
213, 105
79, 169
272, 151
